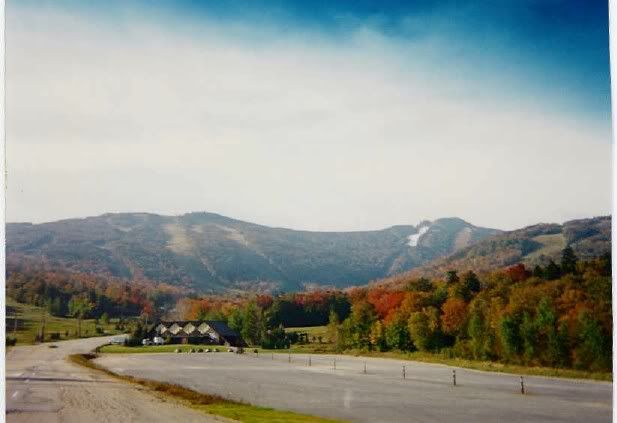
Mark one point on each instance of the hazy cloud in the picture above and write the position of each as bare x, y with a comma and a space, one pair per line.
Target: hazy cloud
302, 132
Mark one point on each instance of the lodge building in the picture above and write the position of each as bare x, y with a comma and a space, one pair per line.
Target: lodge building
212, 332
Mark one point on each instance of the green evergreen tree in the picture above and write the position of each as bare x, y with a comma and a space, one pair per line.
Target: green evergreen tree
538, 272
471, 281
451, 277
479, 335
251, 324
568, 260
552, 271
235, 320
510, 337
593, 351
529, 335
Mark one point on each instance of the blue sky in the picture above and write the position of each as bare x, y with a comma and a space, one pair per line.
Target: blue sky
409, 89
553, 49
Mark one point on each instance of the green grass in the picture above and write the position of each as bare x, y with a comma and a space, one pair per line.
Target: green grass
253, 414
311, 331
488, 366
29, 320
121, 349
211, 404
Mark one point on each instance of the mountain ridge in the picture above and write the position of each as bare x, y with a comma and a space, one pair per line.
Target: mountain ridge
532, 245
211, 252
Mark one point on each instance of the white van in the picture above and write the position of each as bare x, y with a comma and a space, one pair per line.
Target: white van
117, 340
157, 340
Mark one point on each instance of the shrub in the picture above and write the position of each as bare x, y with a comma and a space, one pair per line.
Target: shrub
54, 336
10, 341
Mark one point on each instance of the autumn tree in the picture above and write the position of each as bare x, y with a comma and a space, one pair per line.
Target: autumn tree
378, 337
397, 332
420, 331
454, 315
333, 327
361, 318
79, 307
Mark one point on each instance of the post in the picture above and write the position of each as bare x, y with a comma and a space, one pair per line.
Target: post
403, 372
453, 377
309, 361
272, 355
365, 367
43, 326
289, 357
522, 386
334, 363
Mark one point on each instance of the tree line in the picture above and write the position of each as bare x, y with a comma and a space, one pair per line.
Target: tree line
555, 315
558, 315
67, 293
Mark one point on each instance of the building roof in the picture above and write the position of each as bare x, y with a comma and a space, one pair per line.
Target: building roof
218, 326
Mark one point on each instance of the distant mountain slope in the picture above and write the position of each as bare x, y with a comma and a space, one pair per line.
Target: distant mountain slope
210, 252
531, 245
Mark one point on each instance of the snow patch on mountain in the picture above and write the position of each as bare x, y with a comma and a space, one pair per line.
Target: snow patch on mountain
415, 238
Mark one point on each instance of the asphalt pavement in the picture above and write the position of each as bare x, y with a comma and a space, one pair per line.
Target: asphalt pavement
338, 387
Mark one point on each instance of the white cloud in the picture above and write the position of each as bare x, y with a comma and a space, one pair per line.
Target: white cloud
304, 132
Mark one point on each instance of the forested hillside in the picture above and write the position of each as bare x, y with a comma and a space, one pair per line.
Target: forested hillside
212, 253
534, 245
557, 316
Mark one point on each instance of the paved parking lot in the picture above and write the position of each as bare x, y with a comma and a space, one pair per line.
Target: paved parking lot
379, 395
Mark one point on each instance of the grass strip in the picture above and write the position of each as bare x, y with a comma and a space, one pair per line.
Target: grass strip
486, 366
211, 404
143, 349
491, 366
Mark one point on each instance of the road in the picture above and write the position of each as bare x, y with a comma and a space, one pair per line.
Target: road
426, 395
43, 387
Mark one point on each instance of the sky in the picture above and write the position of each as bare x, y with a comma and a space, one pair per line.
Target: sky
320, 115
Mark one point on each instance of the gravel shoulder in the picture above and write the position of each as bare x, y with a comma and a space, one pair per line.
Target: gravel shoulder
42, 386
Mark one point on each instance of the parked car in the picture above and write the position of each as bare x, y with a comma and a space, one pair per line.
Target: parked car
117, 340
145, 342
157, 340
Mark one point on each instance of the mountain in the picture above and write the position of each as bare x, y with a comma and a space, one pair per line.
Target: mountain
210, 252
533, 245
